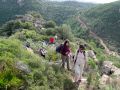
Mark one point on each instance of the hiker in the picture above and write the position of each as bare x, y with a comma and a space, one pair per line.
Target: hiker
52, 40
27, 44
65, 51
79, 63
42, 52
43, 43
29, 49
56, 37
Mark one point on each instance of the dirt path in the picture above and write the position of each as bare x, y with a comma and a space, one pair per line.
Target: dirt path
107, 51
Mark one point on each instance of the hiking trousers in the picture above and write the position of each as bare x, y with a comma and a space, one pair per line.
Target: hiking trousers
65, 59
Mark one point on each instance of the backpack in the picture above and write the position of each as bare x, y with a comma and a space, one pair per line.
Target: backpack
59, 48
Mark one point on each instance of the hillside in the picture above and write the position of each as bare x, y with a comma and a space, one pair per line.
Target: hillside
30, 34
23, 68
58, 11
104, 20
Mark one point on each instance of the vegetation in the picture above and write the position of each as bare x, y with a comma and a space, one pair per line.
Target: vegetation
13, 26
41, 75
104, 21
61, 19
50, 10
50, 24
77, 30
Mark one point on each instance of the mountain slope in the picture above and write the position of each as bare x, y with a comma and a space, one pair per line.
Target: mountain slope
104, 20
95, 36
58, 11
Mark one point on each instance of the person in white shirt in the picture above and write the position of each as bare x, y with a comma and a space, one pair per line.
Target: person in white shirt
79, 63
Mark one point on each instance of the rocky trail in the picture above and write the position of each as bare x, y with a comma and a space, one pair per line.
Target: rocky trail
106, 70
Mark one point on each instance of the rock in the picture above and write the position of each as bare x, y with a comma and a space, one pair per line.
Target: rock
107, 68
116, 82
117, 72
108, 63
114, 68
30, 50
23, 67
105, 79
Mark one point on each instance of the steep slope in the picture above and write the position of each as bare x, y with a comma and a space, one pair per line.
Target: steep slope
22, 69
95, 36
104, 20
58, 11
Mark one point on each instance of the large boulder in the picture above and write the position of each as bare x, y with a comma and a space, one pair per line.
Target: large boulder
30, 50
117, 72
22, 67
116, 81
105, 79
106, 67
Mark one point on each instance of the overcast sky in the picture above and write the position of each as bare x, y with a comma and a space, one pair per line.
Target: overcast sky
92, 1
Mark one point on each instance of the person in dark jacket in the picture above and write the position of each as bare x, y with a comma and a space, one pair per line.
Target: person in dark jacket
42, 52
65, 51
27, 44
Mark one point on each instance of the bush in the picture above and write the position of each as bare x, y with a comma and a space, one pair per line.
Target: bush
8, 79
68, 85
13, 26
40, 79
11, 50
42, 76
27, 25
50, 31
52, 55
50, 24
30, 34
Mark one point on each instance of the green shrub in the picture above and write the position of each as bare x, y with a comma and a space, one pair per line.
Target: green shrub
50, 31
68, 85
52, 55
11, 50
13, 26
40, 79
30, 34
34, 64
50, 24
42, 76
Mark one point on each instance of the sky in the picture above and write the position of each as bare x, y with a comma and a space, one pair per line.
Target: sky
92, 1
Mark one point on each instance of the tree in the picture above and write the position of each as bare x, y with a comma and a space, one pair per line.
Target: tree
13, 26
64, 32
50, 24
51, 31
8, 28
